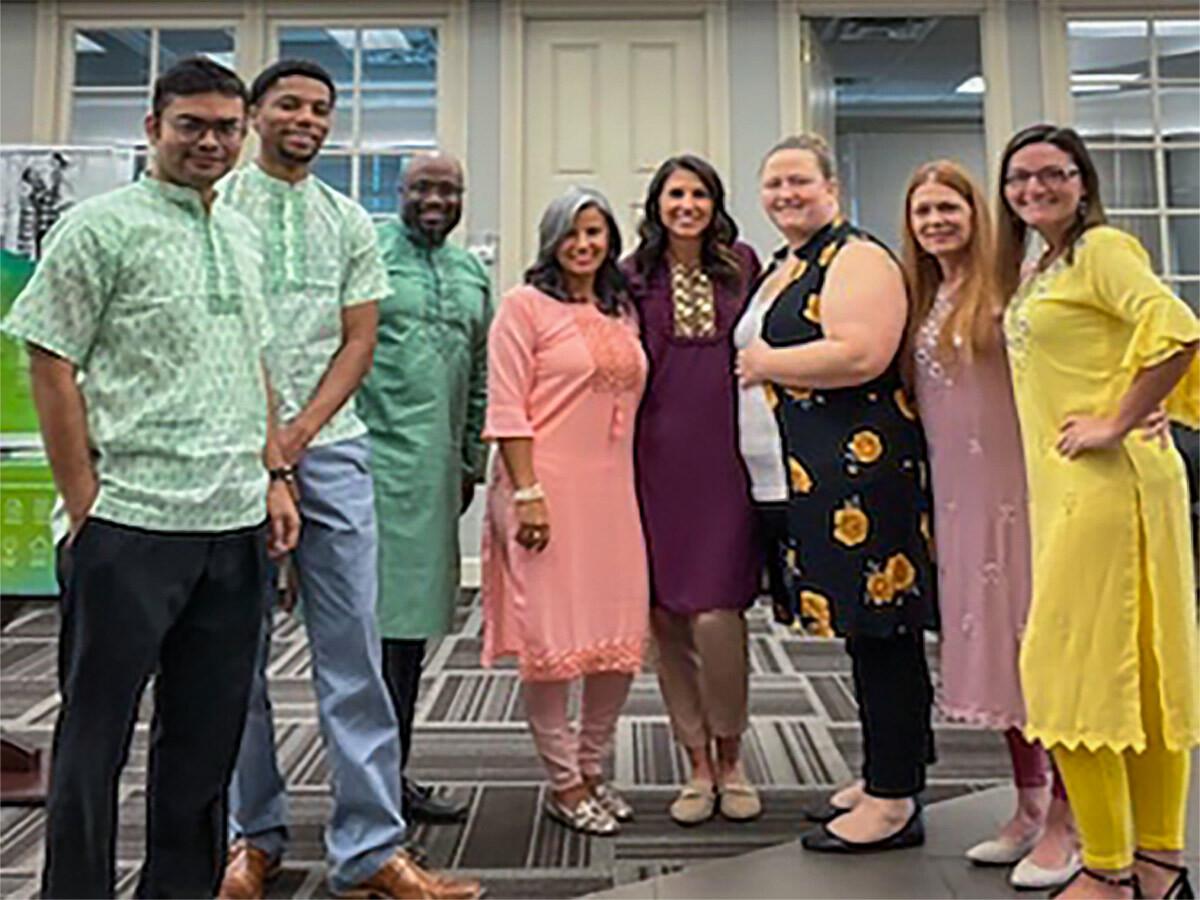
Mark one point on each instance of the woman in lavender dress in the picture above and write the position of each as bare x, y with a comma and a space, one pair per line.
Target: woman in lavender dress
689, 278
981, 527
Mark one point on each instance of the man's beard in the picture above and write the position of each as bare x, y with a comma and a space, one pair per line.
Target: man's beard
412, 218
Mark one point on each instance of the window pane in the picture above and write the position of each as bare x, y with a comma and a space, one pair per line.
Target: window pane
105, 117
1183, 178
1113, 112
1180, 114
1189, 291
112, 57
334, 171
332, 48
1145, 229
1101, 48
175, 44
379, 183
342, 131
1184, 234
1178, 43
399, 57
401, 116
1127, 177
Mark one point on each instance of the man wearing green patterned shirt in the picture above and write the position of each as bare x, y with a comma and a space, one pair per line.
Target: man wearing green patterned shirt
423, 404
145, 324
323, 280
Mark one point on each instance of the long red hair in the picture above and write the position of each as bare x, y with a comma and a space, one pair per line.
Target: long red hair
972, 325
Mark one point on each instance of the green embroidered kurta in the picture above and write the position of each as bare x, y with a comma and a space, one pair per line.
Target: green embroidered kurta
320, 257
159, 304
423, 406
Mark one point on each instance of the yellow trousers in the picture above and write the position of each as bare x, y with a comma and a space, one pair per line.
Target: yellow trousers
1126, 801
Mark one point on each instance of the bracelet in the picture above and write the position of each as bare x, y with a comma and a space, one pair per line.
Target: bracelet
529, 494
286, 474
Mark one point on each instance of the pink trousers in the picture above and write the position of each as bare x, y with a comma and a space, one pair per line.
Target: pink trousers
572, 753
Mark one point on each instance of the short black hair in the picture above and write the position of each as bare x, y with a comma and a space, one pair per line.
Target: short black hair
196, 75
285, 68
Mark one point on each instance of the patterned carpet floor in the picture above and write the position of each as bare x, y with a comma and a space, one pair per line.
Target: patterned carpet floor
471, 741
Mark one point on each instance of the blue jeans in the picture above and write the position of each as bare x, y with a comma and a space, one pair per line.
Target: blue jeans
335, 561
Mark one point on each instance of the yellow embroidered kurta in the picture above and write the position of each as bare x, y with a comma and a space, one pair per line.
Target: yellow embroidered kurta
1108, 521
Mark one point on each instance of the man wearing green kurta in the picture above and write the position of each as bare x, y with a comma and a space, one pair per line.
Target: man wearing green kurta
423, 405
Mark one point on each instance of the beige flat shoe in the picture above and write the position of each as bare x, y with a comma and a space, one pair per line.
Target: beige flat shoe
739, 798
696, 803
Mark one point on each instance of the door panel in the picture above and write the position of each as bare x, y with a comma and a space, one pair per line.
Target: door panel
605, 102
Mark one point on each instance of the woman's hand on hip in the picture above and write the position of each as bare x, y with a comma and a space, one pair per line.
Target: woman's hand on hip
1080, 434
533, 525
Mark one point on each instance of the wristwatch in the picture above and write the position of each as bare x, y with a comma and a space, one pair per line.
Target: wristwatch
286, 474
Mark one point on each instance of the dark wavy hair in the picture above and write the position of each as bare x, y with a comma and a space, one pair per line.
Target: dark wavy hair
285, 68
195, 75
1012, 233
717, 257
557, 221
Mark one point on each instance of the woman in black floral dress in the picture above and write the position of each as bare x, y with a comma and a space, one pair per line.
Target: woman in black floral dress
858, 526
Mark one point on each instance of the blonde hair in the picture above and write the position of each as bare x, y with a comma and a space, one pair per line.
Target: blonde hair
972, 325
814, 144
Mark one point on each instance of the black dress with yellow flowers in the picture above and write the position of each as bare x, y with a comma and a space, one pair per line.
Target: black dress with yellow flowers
858, 507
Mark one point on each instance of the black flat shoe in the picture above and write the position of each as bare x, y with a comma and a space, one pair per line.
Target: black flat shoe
822, 840
825, 813
1181, 887
421, 805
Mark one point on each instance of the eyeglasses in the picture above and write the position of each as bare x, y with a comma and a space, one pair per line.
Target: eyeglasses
1049, 176
192, 129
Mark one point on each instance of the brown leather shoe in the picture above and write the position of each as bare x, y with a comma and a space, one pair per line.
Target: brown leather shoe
403, 879
247, 871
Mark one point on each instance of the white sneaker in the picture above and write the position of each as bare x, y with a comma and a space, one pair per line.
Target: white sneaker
1029, 876
1001, 851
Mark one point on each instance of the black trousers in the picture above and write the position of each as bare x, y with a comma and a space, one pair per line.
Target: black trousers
188, 608
402, 663
773, 534
895, 696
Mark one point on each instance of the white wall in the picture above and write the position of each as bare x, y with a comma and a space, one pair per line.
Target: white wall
876, 165
18, 40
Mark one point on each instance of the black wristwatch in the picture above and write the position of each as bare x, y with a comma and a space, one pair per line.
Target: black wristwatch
286, 474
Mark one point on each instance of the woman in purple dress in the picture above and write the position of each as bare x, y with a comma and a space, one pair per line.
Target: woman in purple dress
980, 525
689, 278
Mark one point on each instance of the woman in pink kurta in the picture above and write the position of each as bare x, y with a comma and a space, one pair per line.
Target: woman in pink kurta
980, 522
565, 587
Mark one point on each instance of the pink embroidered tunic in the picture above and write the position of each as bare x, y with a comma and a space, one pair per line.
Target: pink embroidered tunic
980, 526
570, 378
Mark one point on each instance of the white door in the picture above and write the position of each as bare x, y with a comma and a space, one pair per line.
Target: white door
605, 102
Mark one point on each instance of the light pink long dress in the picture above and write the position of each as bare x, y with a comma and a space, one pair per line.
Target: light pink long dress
981, 527
570, 378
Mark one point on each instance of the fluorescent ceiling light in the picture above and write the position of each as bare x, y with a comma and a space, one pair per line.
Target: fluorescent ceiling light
1177, 28
1105, 77
1094, 88
972, 85
84, 44
1109, 29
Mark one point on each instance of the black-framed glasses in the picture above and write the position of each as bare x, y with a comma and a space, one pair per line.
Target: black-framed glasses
1047, 176
191, 128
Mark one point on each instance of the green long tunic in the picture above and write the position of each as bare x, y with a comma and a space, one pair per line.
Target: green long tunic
423, 406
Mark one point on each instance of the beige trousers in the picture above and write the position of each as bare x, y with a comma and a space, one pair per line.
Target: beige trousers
702, 672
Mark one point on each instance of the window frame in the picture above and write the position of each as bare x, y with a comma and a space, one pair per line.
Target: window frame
255, 24
355, 151
1058, 102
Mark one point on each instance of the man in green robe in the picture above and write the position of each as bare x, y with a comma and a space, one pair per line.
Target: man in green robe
423, 406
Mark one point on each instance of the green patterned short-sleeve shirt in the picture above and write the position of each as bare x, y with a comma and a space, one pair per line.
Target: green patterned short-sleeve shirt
321, 256
159, 305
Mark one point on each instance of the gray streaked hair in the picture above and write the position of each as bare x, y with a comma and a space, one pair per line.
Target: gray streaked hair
814, 144
557, 221
559, 218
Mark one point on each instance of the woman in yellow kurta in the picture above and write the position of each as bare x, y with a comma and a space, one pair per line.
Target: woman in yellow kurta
1097, 344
